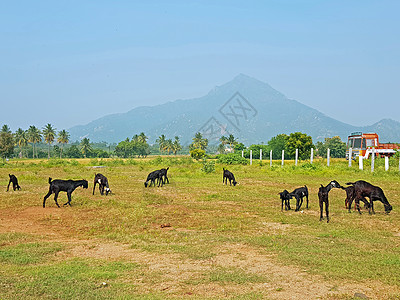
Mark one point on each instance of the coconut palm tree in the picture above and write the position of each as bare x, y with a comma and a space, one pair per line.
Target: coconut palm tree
5, 129
34, 136
49, 133
231, 141
85, 146
176, 145
199, 142
142, 138
63, 138
168, 146
161, 142
20, 139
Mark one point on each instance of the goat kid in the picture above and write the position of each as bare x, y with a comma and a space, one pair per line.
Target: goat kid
227, 175
364, 189
285, 197
164, 175
323, 198
103, 184
153, 176
350, 195
14, 181
58, 185
299, 193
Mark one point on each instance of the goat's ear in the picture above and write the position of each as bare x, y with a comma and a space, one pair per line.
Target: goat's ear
168, 168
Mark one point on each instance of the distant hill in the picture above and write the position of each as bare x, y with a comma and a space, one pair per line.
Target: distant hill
251, 110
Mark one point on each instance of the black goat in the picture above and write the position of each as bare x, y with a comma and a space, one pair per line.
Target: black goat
153, 176
14, 181
228, 176
58, 185
285, 197
299, 193
323, 198
103, 184
164, 175
350, 195
364, 189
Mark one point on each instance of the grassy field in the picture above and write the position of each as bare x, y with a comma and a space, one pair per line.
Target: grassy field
220, 241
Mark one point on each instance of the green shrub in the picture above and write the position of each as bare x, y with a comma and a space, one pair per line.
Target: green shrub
208, 166
232, 159
197, 153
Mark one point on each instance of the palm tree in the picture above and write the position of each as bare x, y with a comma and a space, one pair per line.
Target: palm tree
142, 138
199, 142
63, 138
168, 146
20, 139
161, 142
34, 136
176, 145
231, 141
5, 129
49, 134
85, 146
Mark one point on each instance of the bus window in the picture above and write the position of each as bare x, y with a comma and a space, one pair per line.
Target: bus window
363, 145
357, 143
350, 143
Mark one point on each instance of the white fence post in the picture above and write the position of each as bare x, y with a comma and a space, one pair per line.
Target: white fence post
242, 153
312, 155
373, 160
260, 154
350, 156
328, 156
283, 156
270, 159
297, 157
251, 157
386, 163
360, 162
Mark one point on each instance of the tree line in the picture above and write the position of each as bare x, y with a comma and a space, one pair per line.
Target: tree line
27, 141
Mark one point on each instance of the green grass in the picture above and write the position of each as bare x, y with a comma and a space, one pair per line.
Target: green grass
205, 216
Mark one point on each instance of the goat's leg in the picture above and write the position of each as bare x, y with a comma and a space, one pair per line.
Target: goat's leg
321, 209
101, 188
69, 198
372, 206
166, 179
55, 198
327, 210
300, 202
357, 204
282, 205
94, 186
307, 201
8, 186
45, 198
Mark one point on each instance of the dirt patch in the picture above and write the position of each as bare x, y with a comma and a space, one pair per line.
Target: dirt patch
187, 277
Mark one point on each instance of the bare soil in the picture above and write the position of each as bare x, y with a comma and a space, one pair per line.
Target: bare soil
282, 281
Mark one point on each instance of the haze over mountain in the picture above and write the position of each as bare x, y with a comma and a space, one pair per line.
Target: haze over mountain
251, 110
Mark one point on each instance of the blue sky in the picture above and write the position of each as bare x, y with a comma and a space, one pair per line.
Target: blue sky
70, 62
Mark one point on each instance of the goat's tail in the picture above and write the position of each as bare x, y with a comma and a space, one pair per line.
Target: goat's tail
50, 179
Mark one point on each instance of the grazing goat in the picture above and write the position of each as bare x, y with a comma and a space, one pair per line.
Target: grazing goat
285, 197
103, 184
58, 185
164, 175
14, 181
364, 189
299, 193
228, 176
153, 176
323, 198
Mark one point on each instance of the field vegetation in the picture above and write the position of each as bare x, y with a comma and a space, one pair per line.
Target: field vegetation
195, 237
